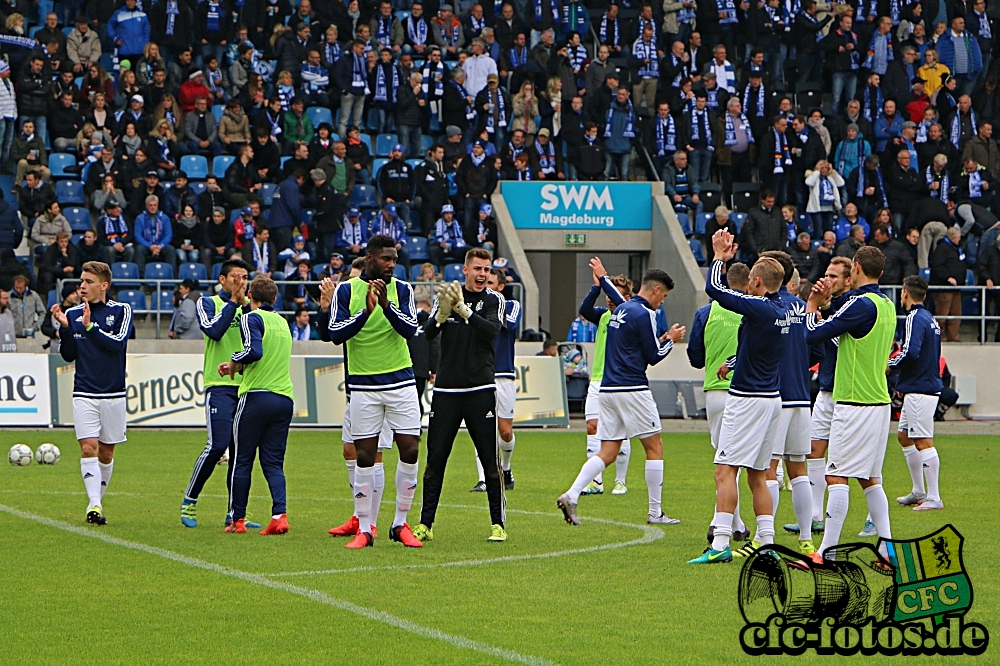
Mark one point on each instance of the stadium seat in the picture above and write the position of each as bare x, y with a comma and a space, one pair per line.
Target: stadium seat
414, 162
279, 303
216, 271
415, 271
319, 114
33, 30
70, 192
307, 218
51, 299
220, 163
384, 143
58, 163
75, 239
217, 111
195, 166
399, 272
284, 159
453, 272
368, 216
267, 193
711, 197
158, 270
78, 218
364, 196
317, 269
695, 245
193, 272
426, 141
418, 248
163, 300
745, 196
377, 165
107, 62
685, 223
367, 140
739, 219
198, 188
7, 183
925, 273
125, 273
701, 222
135, 298
401, 15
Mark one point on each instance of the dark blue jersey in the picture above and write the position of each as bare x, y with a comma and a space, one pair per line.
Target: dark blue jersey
696, 337
762, 337
589, 309
919, 360
793, 373
826, 351
99, 352
631, 347
503, 348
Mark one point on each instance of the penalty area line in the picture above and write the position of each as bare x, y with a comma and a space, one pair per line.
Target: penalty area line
313, 595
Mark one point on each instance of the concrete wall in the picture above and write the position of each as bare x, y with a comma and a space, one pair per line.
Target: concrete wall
670, 252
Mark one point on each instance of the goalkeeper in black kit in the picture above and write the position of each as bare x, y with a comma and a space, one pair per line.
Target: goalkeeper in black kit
468, 320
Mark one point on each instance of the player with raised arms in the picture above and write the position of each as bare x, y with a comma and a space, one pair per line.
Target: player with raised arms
219, 320
374, 315
99, 330
627, 406
865, 326
750, 418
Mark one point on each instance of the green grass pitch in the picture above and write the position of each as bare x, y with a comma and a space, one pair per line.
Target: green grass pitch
614, 591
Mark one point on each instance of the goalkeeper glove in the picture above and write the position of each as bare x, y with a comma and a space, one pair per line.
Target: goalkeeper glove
444, 306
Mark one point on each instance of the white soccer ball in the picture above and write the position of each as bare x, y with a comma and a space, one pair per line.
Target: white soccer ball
19, 455
47, 454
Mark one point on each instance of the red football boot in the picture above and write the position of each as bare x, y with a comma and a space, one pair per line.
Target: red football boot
403, 535
277, 525
237, 527
350, 528
362, 540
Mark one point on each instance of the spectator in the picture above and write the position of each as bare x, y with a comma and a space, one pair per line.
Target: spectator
720, 220
948, 267
50, 327
8, 112
154, 234
351, 78
218, 238
89, 249
242, 179
866, 188
33, 95
354, 236
115, 233
449, 240
898, 263
291, 256
8, 336
151, 187
234, 128
178, 196
803, 254
852, 151
396, 182
476, 180
83, 46
961, 54
387, 223
59, 262
409, 114
188, 232
983, 149
302, 295
619, 131
27, 151
11, 228
201, 131
334, 268
259, 252
191, 90
853, 243
286, 210
47, 227
359, 155
129, 29
848, 218
184, 323
763, 229
28, 308
824, 197
301, 329
975, 185
904, 187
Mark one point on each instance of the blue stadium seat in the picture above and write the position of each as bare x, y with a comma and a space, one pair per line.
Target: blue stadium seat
193, 272
415, 271
234, 215
51, 299
401, 15
377, 165
216, 271
317, 269
68, 29
217, 111
7, 184
700, 222
685, 223
414, 162
364, 196
220, 163
196, 167
75, 239
925, 273
367, 140
107, 62
418, 248
384, 143
426, 141
285, 159
78, 218
453, 272
368, 216
158, 270
163, 300
399, 272
695, 245
70, 192
307, 218
58, 163
319, 114
198, 188
739, 219
267, 193
34, 30
125, 273
135, 298
279, 304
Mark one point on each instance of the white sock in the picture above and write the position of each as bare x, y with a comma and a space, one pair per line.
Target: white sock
913, 462
765, 529
837, 503
593, 446
654, 484
738, 524
590, 469
479, 467
621, 462
802, 502
364, 481
406, 486
378, 487
722, 522
878, 508
780, 473
774, 487
816, 468
106, 471
351, 466
506, 452
90, 470
932, 468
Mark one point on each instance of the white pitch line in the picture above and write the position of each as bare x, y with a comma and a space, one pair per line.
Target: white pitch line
313, 595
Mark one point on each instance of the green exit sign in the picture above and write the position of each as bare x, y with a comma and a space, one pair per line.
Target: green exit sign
576, 239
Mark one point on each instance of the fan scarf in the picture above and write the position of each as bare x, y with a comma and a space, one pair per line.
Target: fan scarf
881, 185
172, 12
731, 129
956, 126
604, 31
696, 127
870, 57
629, 132
642, 50
546, 157
942, 192
500, 111
359, 84
431, 70
684, 73
382, 94
825, 191
867, 106
115, 227
760, 100
383, 31
666, 141
416, 29
727, 7
470, 113
782, 156
214, 16
261, 257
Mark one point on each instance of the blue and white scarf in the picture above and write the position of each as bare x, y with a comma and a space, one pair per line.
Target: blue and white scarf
922, 130
760, 100
523, 175
449, 232
642, 50
382, 93
604, 32
577, 57
643, 24
172, 12
470, 113
416, 30
731, 129
354, 233
452, 39
728, 78
851, 39
163, 145
546, 157
515, 150
878, 178
697, 126
383, 31
274, 121
115, 227
942, 192
870, 57
477, 24
666, 135
434, 72
826, 190
332, 52
872, 9
501, 111
214, 17
955, 133
556, 11
984, 26
684, 72
961, 254
286, 94
517, 59
359, 82
782, 155
975, 184
713, 97
871, 112
895, 12
685, 15
727, 7
812, 19
629, 132
261, 256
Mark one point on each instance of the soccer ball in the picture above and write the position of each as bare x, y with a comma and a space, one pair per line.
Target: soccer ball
19, 455
47, 454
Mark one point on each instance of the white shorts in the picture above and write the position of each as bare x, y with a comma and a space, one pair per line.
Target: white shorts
506, 398
592, 408
715, 405
384, 438
103, 419
822, 415
858, 436
371, 410
917, 417
792, 436
626, 415
748, 427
